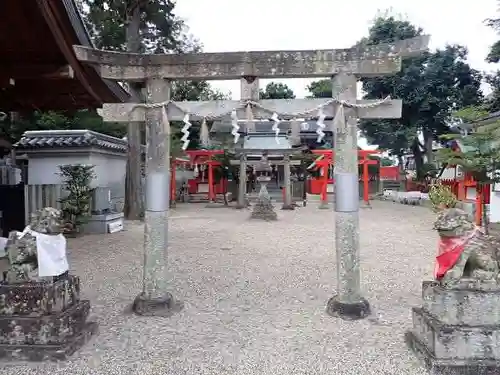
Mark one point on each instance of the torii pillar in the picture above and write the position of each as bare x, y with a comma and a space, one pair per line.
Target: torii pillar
348, 302
154, 299
249, 91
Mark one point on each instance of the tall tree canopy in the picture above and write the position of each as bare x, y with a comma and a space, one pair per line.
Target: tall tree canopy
320, 89
431, 86
161, 31
494, 54
276, 91
85, 119
493, 100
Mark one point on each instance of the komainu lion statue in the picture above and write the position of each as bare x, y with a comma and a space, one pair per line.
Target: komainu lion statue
22, 250
465, 252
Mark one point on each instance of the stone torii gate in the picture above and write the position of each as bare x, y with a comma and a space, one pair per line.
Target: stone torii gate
343, 65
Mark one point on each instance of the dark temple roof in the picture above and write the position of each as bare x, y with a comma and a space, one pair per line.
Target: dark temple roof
69, 139
38, 67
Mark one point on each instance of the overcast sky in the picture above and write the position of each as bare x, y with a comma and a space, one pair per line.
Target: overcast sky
245, 25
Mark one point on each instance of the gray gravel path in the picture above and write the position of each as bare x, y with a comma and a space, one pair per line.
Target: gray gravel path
255, 296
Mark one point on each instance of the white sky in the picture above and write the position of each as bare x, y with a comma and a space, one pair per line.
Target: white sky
245, 25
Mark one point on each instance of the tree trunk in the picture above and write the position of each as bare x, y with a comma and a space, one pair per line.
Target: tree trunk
485, 218
428, 141
418, 157
134, 206
226, 203
402, 174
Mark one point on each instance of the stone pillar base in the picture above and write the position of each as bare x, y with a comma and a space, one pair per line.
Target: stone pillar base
289, 207
364, 204
242, 206
163, 307
51, 309
348, 311
324, 205
49, 352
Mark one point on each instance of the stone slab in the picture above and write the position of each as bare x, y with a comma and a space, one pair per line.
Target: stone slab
448, 366
52, 329
215, 205
469, 303
456, 341
54, 352
38, 299
99, 224
126, 112
363, 60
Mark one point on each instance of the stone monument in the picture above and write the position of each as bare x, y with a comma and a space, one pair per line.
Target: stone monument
457, 329
263, 209
41, 318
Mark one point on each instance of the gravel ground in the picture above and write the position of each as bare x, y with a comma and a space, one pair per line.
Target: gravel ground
255, 296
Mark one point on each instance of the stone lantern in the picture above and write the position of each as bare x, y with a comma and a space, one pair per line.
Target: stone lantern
263, 170
263, 209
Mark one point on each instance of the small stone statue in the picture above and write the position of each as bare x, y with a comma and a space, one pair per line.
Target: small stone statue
21, 251
465, 252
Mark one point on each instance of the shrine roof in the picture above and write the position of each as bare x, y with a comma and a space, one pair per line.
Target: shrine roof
69, 139
38, 67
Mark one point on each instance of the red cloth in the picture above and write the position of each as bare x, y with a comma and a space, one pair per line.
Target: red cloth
450, 250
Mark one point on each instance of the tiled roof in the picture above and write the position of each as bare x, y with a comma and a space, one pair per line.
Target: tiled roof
39, 139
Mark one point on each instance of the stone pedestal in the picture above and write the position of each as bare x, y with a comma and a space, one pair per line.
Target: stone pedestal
457, 330
105, 223
43, 320
214, 204
323, 205
263, 208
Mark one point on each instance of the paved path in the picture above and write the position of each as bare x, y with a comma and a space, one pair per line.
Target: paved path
255, 296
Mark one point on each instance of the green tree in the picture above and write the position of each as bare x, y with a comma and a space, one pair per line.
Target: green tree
12, 130
196, 90
494, 53
386, 162
320, 89
479, 153
160, 31
492, 102
431, 87
276, 91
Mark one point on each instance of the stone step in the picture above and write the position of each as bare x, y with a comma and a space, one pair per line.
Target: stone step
449, 366
473, 305
459, 341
